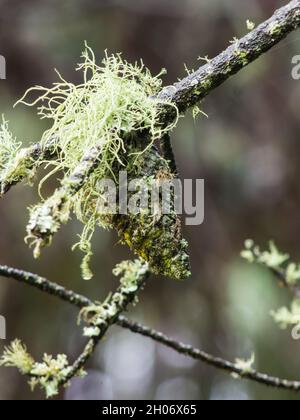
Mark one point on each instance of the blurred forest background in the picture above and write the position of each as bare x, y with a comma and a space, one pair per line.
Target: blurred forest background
247, 150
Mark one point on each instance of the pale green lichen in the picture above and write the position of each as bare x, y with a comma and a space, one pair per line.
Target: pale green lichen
130, 272
245, 366
115, 99
16, 355
100, 127
14, 162
206, 59
99, 315
293, 274
48, 374
285, 317
9, 147
197, 111
271, 258
274, 28
287, 272
242, 55
250, 25
91, 332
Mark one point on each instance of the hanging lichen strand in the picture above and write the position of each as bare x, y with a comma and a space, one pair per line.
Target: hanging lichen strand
92, 134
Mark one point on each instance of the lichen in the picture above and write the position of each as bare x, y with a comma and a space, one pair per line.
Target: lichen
241, 54
53, 372
9, 146
48, 374
274, 28
245, 366
16, 355
100, 315
271, 258
93, 125
287, 272
14, 162
285, 317
250, 25
156, 238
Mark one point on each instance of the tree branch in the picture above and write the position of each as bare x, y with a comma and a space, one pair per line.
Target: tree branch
216, 362
30, 159
117, 303
81, 302
101, 317
168, 154
189, 91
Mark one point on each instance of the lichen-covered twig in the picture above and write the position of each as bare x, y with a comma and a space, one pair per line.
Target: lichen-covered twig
278, 263
53, 373
135, 275
189, 91
25, 164
82, 302
46, 218
284, 270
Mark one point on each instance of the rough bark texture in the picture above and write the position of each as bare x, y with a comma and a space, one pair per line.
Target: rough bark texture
157, 238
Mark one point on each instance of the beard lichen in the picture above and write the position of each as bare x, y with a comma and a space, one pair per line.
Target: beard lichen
108, 123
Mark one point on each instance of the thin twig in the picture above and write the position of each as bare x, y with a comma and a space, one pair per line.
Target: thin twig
207, 358
281, 275
82, 301
45, 285
117, 303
